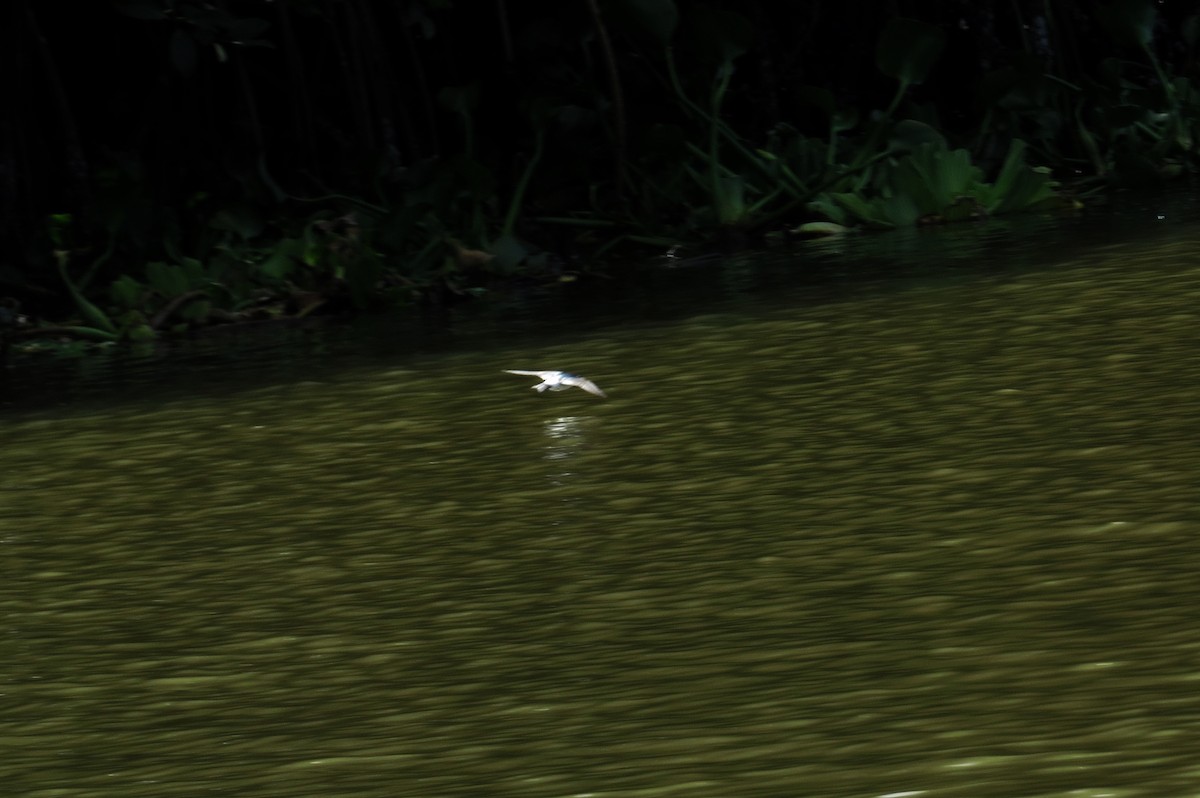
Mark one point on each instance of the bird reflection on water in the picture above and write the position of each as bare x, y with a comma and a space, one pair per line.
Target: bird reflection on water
566, 442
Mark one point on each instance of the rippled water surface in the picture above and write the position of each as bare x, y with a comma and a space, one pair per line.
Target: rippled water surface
927, 538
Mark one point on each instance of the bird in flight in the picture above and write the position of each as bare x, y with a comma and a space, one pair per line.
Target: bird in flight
559, 381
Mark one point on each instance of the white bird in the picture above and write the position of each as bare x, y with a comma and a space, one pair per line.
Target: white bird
559, 381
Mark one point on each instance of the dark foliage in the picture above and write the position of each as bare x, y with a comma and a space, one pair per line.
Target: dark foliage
331, 153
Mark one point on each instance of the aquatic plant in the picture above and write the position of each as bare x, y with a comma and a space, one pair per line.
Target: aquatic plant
928, 183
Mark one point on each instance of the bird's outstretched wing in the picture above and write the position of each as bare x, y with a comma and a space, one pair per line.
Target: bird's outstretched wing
585, 384
539, 374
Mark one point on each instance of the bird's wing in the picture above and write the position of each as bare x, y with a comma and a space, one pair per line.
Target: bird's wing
585, 384
538, 374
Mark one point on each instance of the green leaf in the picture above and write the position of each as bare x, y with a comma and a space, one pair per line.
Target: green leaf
196, 310
58, 226
899, 211
845, 119
1018, 187
1014, 162
951, 175
283, 258
865, 211
825, 205
90, 312
167, 279
731, 202
127, 293
909, 134
907, 49
135, 328
910, 179
195, 273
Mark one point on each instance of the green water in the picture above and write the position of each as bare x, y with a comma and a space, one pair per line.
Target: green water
937, 539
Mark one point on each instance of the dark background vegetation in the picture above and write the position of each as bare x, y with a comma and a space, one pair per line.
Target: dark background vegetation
180, 162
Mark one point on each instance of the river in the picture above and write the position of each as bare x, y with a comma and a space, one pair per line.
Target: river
931, 535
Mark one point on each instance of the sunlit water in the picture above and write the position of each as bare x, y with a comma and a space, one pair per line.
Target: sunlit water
935, 538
